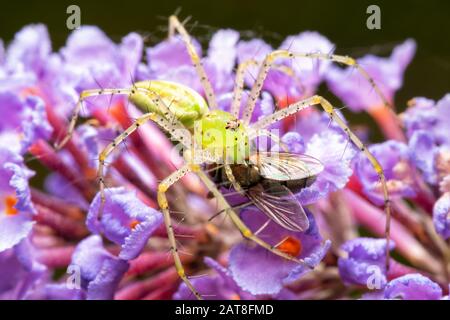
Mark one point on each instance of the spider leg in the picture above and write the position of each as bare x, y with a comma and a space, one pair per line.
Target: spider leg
270, 59
239, 85
232, 179
175, 25
158, 105
83, 96
175, 129
267, 133
240, 77
163, 204
245, 231
181, 136
328, 108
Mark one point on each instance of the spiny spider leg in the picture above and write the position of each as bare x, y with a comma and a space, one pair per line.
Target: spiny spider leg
175, 25
239, 85
109, 91
328, 108
245, 231
163, 204
240, 77
270, 59
176, 134
162, 187
231, 178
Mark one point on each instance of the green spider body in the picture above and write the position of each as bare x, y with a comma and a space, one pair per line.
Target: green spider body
216, 131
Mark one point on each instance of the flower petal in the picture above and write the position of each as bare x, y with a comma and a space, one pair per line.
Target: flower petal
336, 153
357, 93
101, 272
413, 287
365, 263
441, 215
260, 272
30, 49
222, 49
309, 71
125, 220
395, 159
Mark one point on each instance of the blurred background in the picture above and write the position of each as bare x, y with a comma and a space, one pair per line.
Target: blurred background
343, 22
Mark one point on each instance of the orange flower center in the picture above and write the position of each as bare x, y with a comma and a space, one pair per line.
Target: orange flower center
291, 246
235, 296
10, 202
134, 223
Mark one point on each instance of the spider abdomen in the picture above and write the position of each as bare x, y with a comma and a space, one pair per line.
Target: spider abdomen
185, 103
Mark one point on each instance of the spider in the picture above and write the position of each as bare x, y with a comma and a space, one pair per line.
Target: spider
210, 135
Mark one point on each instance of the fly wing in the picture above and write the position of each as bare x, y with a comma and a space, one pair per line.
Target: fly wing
285, 166
280, 205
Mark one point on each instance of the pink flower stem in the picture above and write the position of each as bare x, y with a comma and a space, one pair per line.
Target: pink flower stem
150, 156
49, 158
139, 289
163, 293
59, 131
374, 219
66, 227
56, 257
57, 204
425, 197
388, 121
149, 261
133, 177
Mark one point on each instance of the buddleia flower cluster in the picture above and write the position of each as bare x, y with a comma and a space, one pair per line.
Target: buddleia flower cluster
53, 244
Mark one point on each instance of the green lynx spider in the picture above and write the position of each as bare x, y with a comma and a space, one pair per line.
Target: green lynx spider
178, 119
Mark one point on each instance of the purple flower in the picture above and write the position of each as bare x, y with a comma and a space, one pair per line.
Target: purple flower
310, 72
264, 105
428, 132
169, 60
89, 60
43, 231
394, 158
441, 215
335, 152
58, 291
260, 272
277, 82
419, 115
424, 152
125, 220
355, 91
16, 208
170, 54
29, 50
364, 263
57, 185
294, 142
24, 121
413, 287
21, 272
101, 272
94, 140
307, 74
222, 49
